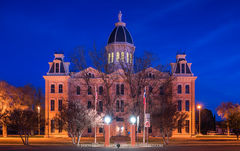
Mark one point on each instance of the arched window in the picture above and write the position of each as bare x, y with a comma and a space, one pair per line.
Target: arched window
78, 90
100, 105
117, 57
100, 90
89, 90
60, 88
57, 67
109, 58
117, 106
187, 90
122, 89
179, 105
122, 56
122, 106
89, 104
117, 89
183, 68
127, 57
112, 57
52, 88
179, 89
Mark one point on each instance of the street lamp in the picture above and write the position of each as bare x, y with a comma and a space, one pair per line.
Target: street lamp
199, 108
107, 119
133, 119
38, 108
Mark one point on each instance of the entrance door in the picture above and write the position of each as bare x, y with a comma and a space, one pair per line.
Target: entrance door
120, 130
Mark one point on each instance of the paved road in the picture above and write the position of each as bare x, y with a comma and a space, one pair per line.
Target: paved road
169, 148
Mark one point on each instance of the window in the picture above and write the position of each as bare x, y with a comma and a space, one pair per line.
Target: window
52, 88
100, 130
179, 105
122, 56
161, 90
60, 126
90, 75
89, 130
89, 90
52, 126
179, 89
127, 57
60, 88
112, 57
117, 89
183, 68
117, 57
89, 104
119, 119
122, 89
150, 89
109, 58
130, 58
101, 90
78, 90
179, 126
100, 104
187, 90
187, 126
57, 67
122, 106
59, 105
52, 105
187, 105
150, 129
117, 106
139, 91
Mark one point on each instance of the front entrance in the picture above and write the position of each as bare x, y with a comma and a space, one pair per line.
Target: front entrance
120, 130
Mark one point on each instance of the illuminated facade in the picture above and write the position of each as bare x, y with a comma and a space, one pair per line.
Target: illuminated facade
61, 85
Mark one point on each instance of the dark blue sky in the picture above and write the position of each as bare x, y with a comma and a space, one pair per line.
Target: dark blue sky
207, 30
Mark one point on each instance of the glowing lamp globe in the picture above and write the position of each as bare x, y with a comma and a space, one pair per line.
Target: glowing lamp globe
133, 119
107, 119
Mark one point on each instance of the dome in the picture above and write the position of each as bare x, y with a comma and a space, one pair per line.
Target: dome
120, 34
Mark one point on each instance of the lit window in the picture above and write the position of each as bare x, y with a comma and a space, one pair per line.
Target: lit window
109, 57
187, 90
130, 58
52, 88
117, 57
57, 67
122, 56
179, 89
112, 57
60, 88
127, 57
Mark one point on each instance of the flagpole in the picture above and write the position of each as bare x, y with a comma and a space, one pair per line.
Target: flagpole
95, 137
144, 112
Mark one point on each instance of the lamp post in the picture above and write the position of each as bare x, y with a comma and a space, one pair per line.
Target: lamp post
132, 129
199, 108
107, 120
38, 108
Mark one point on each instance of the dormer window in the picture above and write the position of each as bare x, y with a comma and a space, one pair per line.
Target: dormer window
90, 75
183, 68
57, 67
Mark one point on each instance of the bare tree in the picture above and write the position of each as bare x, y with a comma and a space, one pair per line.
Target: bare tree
24, 121
75, 119
165, 115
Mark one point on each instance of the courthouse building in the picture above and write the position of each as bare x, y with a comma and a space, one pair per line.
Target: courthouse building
62, 85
